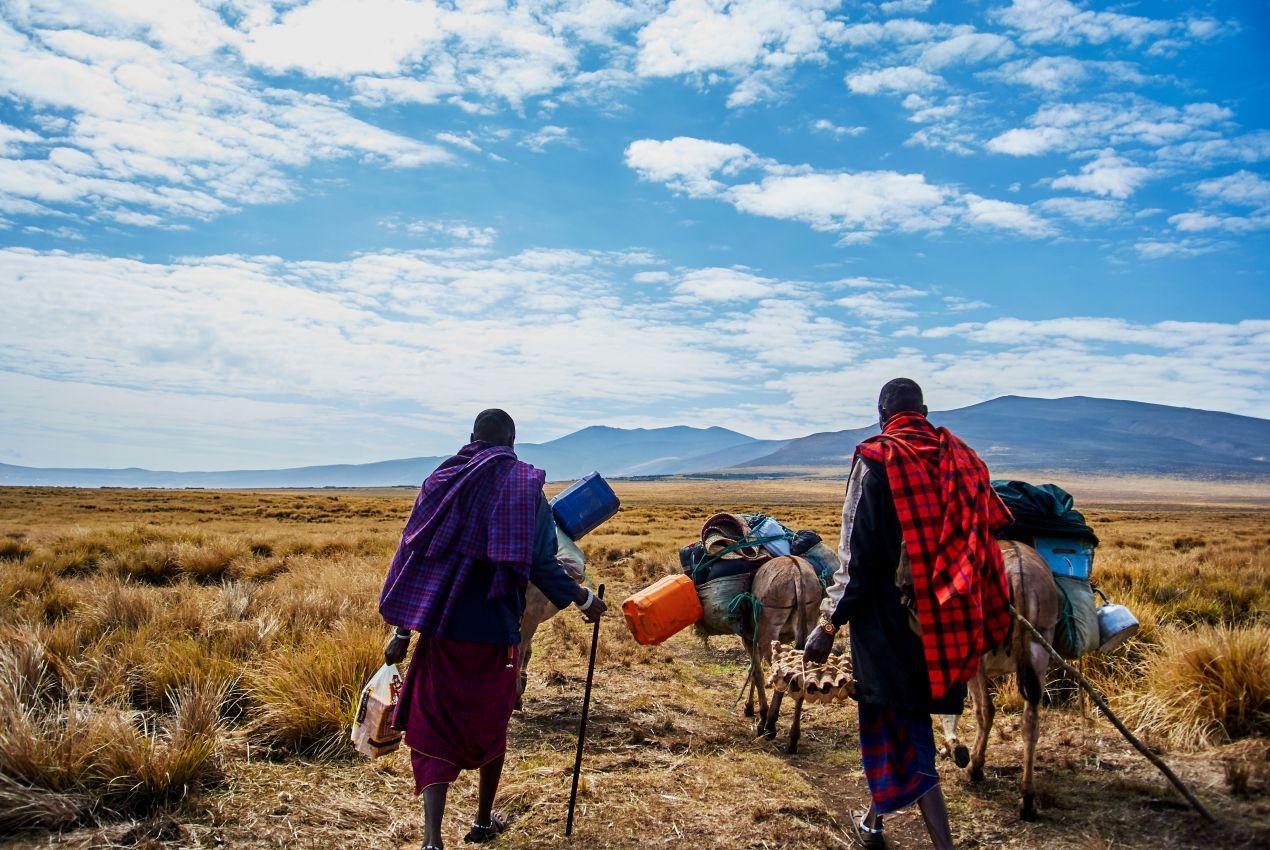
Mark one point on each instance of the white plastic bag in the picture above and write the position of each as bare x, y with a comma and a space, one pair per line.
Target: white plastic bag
570, 555
373, 735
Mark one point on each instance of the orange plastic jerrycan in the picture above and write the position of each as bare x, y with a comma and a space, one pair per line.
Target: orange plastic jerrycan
658, 611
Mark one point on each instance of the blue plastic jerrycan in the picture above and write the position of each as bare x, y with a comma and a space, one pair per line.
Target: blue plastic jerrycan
587, 502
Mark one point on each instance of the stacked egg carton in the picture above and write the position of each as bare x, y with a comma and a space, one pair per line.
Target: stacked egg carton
828, 682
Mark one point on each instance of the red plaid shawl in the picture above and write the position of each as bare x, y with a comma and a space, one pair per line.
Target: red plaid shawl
948, 511
479, 507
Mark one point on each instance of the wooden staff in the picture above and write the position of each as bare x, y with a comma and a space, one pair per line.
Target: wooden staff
586, 709
1115, 721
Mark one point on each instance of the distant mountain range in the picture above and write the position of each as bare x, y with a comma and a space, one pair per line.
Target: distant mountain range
1011, 433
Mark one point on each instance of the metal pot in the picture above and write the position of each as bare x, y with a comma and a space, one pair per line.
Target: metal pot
1116, 624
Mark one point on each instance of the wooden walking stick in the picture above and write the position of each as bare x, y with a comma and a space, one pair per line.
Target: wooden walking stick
586, 709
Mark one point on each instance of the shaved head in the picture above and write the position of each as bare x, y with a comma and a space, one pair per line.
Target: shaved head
900, 395
495, 427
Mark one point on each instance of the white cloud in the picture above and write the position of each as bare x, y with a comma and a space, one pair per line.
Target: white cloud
899, 79
727, 285
1213, 365
958, 304
1060, 73
824, 125
150, 137
1199, 222
1004, 215
965, 48
549, 134
1084, 210
1160, 249
857, 205
905, 7
688, 165
747, 40
1064, 22
1028, 141
1107, 175
1118, 121
452, 231
1242, 188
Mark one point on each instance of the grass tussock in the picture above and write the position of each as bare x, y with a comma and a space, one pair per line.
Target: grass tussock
305, 696
1204, 686
65, 759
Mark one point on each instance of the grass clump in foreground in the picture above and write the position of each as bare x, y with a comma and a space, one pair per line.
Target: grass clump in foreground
1204, 686
65, 759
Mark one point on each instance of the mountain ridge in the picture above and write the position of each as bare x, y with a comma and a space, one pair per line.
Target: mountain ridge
1077, 433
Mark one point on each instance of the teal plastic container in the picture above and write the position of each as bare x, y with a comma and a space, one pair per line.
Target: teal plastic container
581, 508
1067, 556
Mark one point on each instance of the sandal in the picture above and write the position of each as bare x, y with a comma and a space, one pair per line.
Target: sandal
870, 838
483, 833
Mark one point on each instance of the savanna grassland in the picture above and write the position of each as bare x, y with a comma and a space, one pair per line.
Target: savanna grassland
179, 669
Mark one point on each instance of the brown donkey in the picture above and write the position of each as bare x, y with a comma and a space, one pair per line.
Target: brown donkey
788, 594
1035, 598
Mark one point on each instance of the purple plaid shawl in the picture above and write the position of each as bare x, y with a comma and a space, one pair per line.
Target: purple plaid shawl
481, 505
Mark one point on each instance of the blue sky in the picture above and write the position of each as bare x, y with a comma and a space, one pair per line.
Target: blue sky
248, 233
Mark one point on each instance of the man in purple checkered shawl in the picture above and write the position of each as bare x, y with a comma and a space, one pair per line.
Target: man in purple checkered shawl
480, 532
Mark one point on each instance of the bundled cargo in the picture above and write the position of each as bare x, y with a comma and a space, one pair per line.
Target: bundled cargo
1045, 518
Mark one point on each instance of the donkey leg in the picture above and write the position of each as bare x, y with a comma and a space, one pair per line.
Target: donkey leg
1031, 686
984, 712
760, 689
522, 675
796, 727
773, 712
952, 744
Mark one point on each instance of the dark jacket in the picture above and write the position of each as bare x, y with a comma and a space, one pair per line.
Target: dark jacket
887, 660
479, 619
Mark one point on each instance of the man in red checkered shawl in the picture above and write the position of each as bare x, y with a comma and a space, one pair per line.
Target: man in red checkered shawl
923, 586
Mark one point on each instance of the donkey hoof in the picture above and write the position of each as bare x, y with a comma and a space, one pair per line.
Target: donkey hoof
961, 755
792, 749
975, 773
1029, 808
769, 732
749, 711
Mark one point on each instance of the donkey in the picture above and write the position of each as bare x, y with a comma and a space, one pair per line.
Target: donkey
1036, 599
788, 594
538, 610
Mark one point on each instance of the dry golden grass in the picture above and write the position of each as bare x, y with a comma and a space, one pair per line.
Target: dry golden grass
191, 658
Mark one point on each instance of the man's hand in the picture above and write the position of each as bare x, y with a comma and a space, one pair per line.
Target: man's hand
816, 650
395, 649
594, 610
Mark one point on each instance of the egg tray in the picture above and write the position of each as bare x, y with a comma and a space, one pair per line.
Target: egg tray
828, 682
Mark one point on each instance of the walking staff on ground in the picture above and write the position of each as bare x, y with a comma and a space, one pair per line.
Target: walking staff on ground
480, 531
922, 585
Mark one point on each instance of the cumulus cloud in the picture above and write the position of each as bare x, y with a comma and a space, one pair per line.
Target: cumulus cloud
152, 134
1117, 120
899, 79
1067, 23
1107, 175
856, 205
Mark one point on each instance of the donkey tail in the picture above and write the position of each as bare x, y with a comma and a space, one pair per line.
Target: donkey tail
800, 615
